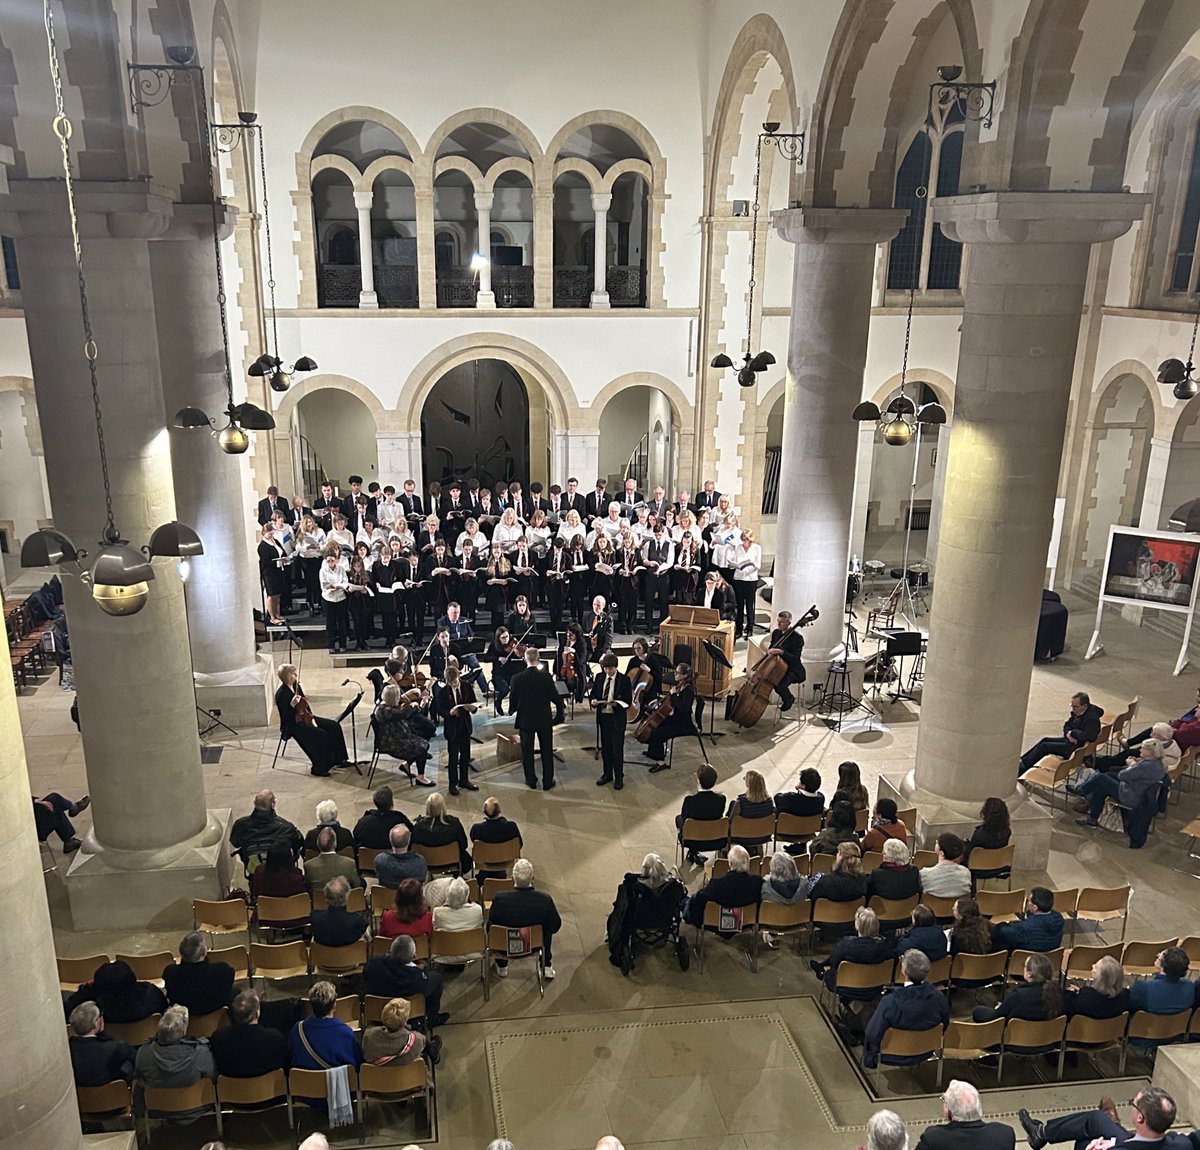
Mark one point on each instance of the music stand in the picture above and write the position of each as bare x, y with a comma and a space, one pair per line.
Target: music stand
348, 710
718, 656
907, 643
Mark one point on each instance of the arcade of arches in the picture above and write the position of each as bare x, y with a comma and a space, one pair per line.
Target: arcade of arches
516, 261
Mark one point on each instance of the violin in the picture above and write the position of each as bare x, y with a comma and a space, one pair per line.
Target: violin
302, 712
753, 696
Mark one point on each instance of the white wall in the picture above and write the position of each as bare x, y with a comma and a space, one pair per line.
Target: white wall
22, 473
342, 432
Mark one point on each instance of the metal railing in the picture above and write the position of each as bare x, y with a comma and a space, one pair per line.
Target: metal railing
770, 499
312, 470
639, 457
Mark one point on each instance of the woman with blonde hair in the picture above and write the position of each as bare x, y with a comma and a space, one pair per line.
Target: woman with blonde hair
745, 558
393, 1043
846, 881
655, 873
755, 802
436, 828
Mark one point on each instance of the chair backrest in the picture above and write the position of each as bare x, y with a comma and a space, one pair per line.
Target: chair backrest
113, 1099
820, 863
135, 1033
1159, 1027
1016, 960
206, 1025
924, 858
175, 1099
294, 908
910, 1043
751, 830
864, 975
862, 820
793, 828
382, 898
491, 855
1099, 902
356, 900
392, 1080
1191, 947
280, 960
1139, 957
444, 857
908, 816
705, 830
974, 1038
346, 1007
338, 959
251, 1091
992, 858
1081, 959
894, 909
456, 943
979, 967
1027, 1032
826, 912
781, 919
872, 860
1000, 904
506, 941
941, 905
1090, 1032
730, 918
231, 914
148, 967
73, 972
493, 886
311, 1083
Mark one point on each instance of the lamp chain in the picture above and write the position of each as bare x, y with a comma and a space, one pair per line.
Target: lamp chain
62, 129
921, 193
1192, 345
753, 248
262, 166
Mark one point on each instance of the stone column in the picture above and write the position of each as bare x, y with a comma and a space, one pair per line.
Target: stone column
366, 260
152, 847
601, 202
37, 1103
939, 499
827, 351
426, 260
1026, 269
1152, 514
543, 242
485, 297
222, 589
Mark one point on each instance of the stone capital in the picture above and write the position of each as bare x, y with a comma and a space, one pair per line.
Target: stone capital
484, 201
1038, 217
601, 201
119, 209
195, 222
364, 200
838, 225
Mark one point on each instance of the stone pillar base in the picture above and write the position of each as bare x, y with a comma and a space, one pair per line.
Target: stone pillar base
111, 1140
1032, 824
1177, 1071
600, 300
368, 299
244, 698
486, 300
132, 890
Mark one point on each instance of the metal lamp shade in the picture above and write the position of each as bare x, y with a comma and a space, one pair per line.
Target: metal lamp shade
176, 539
47, 548
253, 418
192, 419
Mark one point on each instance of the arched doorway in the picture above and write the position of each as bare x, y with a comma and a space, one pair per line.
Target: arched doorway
477, 423
1183, 468
638, 439
333, 438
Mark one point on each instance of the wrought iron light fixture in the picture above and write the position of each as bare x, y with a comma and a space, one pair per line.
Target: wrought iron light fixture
1178, 375
973, 99
119, 575
790, 145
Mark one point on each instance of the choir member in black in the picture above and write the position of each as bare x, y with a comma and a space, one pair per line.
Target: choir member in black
523, 569
386, 573
791, 648
645, 671
486, 513
456, 702
310, 547
361, 597
320, 739
595, 506
325, 506
414, 508
272, 503
498, 578
571, 500
657, 557
436, 567
270, 553
461, 633
710, 593
683, 697
626, 561
536, 500
708, 497
600, 630
356, 504
581, 576
428, 536
603, 556
558, 583
454, 513
465, 584
685, 575
414, 595
518, 502
291, 570
507, 658
611, 695
441, 657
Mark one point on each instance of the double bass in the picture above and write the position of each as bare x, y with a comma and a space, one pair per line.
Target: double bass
754, 695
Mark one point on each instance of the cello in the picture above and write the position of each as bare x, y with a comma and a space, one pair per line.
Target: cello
753, 696
656, 718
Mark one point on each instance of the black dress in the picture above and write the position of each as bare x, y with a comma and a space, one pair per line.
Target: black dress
269, 570
324, 743
679, 723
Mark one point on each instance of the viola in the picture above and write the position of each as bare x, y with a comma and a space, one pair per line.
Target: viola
302, 712
753, 696
567, 665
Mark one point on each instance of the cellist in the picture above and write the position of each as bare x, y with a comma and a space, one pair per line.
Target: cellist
679, 722
789, 647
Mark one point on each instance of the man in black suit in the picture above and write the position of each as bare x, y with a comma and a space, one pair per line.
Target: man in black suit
709, 593
611, 696
536, 501
965, 1128
524, 906
372, 830
736, 888
683, 503
494, 828
96, 1057
533, 701
396, 975
704, 804
246, 1049
454, 702
571, 500
199, 985
707, 499
352, 506
1153, 1116
273, 502
335, 925
596, 504
600, 629
414, 507
325, 507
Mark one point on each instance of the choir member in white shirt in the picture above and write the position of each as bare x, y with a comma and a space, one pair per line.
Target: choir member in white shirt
340, 535
389, 511
478, 539
612, 523
508, 531
658, 555
334, 581
571, 526
747, 559
311, 549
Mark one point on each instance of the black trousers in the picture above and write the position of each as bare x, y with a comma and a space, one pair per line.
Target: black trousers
312, 582
362, 610
324, 744
612, 745
1061, 747
337, 623
1083, 1128
627, 601
545, 740
387, 609
743, 615
557, 596
458, 749
658, 597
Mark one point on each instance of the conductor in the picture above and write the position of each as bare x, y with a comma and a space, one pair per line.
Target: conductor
533, 699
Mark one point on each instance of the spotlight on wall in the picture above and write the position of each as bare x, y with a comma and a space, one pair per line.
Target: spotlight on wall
479, 262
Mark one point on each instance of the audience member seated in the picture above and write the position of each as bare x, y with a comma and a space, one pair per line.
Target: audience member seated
335, 925
394, 866
1186, 727
329, 864
705, 804
525, 906
435, 828
494, 828
1040, 929
993, 831
914, 1006
885, 1131
850, 787
372, 830
410, 914
845, 882
1153, 1115
1168, 990
866, 945
393, 1043
736, 887
278, 876
885, 827
1037, 999
925, 936
196, 983
327, 816
1137, 783
322, 1040
964, 1127
116, 991
1131, 751
396, 975
254, 833
947, 878
247, 1049
458, 913
171, 1058
971, 932
96, 1057
838, 829
784, 883
806, 800
1104, 997
396, 733
754, 802
1082, 726
894, 878
50, 816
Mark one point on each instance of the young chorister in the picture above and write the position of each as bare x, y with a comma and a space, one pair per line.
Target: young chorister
456, 704
611, 695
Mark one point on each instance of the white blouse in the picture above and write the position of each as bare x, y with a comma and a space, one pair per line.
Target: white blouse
508, 536
479, 541
751, 556
333, 583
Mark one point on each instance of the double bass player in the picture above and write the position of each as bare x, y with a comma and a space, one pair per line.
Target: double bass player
787, 642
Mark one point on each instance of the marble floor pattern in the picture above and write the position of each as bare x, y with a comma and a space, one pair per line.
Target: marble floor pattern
582, 839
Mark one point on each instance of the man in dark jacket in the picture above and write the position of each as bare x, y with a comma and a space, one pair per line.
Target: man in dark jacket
97, 1058
925, 936
254, 833
1041, 928
533, 701
704, 804
336, 926
1082, 727
865, 946
913, 1006
1154, 1113
736, 888
246, 1049
494, 828
371, 831
965, 1128
395, 975
525, 906
193, 982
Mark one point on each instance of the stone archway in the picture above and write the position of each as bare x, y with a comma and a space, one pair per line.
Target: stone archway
676, 471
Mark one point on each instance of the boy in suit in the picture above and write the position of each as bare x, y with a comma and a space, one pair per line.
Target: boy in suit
611, 696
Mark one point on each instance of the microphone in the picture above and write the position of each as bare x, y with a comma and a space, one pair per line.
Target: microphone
345, 682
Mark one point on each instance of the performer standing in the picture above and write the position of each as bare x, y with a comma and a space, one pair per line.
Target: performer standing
790, 647
679, 722
746, 560
499, 578
320, 739
558, 583
333, 592
385, 575
456, 704
534, 697
414, 595
271, 554
658, 556
600, 634
611, 697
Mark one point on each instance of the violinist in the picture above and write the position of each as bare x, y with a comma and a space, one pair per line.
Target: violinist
679, 722
320, 739
456, 702
395, 734
507, 657
498, 577
413, 595
570, 664
385, 575
600, 630
399, 670
790, 648
611, 696
464, 586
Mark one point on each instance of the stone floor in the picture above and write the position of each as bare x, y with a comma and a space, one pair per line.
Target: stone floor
505, 1060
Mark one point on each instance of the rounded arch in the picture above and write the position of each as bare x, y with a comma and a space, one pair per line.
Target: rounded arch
328, 381
581, 167
385, 164
624, 168
356, 112
338, 164
16, 383
1164, 413
940, 384
522, 354
224, 36
681, 405
505, 120
459, 164
500, 168
635, 129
